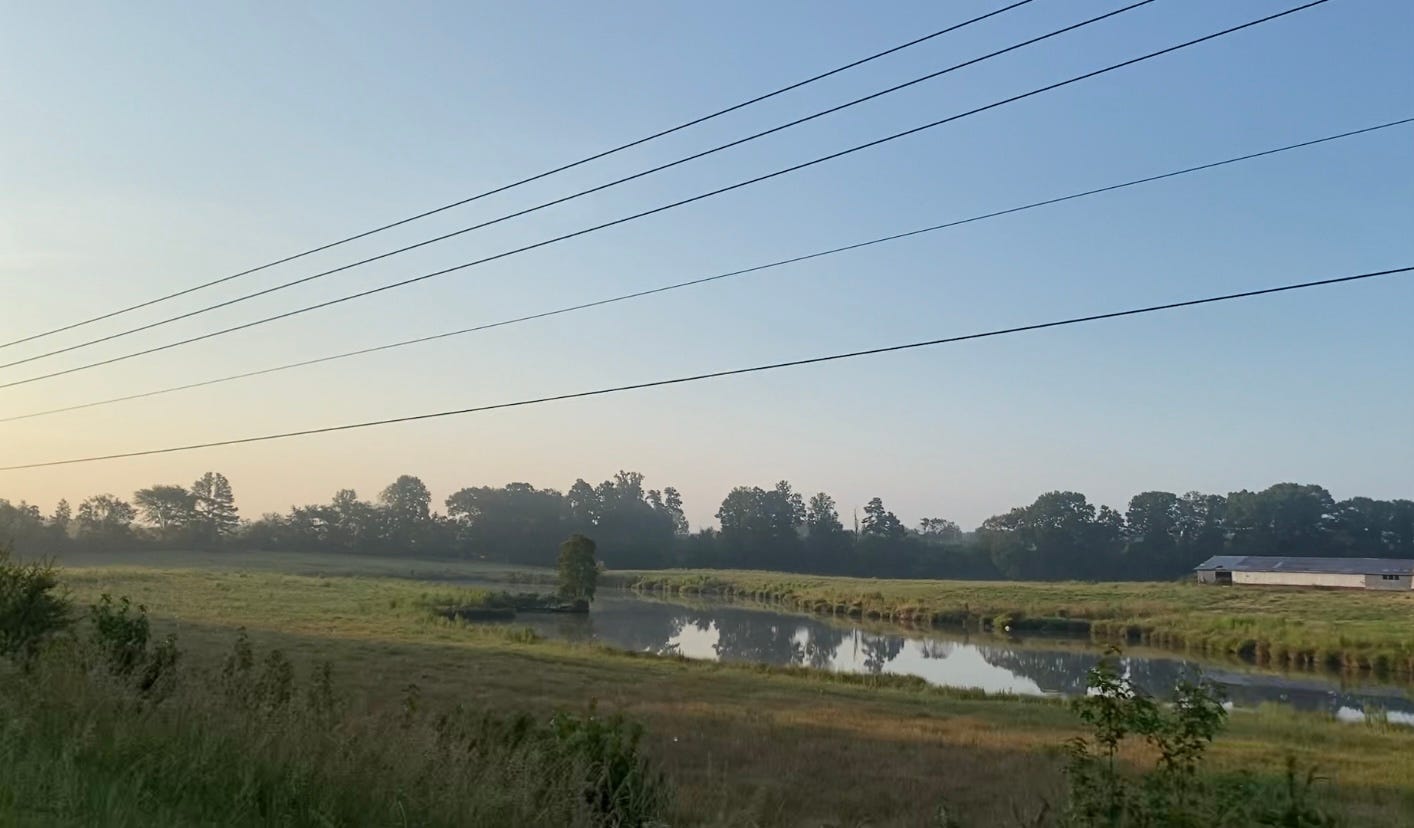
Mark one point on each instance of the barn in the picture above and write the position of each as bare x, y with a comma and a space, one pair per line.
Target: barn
1349, 573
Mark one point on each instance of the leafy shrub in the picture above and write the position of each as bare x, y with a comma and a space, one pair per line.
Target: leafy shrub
120, 636
1174, 793
31, 609
619, 785
578, 571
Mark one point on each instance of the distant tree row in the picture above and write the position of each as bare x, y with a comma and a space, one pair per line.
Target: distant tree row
170, 515
1059, 536
516, 523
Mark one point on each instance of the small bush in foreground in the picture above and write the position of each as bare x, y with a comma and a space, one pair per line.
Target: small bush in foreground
1174, 793
31, 608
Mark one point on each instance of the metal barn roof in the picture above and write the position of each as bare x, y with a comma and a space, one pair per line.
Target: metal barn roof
1342, 566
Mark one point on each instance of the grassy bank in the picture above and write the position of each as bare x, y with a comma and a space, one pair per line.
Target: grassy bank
742, 745
1294, 627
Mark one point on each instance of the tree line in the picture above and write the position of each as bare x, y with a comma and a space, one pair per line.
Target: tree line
164, 515
1061, 535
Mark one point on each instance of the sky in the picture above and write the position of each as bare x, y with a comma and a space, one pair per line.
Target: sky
148, 147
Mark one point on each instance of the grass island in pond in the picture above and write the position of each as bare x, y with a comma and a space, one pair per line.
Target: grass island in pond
503, 606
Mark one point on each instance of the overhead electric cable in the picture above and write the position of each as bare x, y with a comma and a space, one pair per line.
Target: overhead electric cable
714, 278
538, 176
1075, 320
571, 197
671, 205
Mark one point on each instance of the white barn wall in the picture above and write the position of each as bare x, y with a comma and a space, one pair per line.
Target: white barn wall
1324, 579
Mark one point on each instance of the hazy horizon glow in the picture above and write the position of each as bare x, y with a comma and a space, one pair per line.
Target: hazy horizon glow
147, 150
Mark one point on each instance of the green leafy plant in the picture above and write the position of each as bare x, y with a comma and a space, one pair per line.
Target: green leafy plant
121, 634
1174, 792
31, 607
618, 784
578, 571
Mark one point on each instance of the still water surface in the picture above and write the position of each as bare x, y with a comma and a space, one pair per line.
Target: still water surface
725, 631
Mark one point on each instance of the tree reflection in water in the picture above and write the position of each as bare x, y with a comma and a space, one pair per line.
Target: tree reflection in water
727, 632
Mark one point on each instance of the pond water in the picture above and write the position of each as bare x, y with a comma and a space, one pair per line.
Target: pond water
727, 631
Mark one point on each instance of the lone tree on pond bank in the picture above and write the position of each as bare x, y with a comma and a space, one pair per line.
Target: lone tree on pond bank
579, 572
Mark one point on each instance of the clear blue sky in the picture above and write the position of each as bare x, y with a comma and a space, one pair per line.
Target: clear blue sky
147, 147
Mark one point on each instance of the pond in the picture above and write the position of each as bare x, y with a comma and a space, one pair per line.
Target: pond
720, 630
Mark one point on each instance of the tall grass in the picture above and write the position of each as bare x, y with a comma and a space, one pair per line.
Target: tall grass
251, 745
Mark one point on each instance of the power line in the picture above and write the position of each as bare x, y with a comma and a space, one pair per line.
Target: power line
571, 197
1075, 320
717, 277
669, 206
538, 176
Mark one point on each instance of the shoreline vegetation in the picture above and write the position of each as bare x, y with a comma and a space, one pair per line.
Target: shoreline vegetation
1294, 628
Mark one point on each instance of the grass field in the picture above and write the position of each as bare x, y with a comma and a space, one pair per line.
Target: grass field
1297, 627
314, 564
744, 746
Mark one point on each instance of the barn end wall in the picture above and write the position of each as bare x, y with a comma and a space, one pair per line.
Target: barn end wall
1404, 583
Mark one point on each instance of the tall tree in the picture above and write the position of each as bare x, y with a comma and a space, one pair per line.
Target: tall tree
884, 547
22, 525
578, 571
880, 522
214, 512
1399, 531
939, 530
516, 523
760, 528
1202, 531
828, 546
1152, 535
407, 514
1284, 519
105, 518
1061, 535
585, 505
59, 523
636, 528
354, 523
1364, 527
822, 516
672, 505
170, 509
